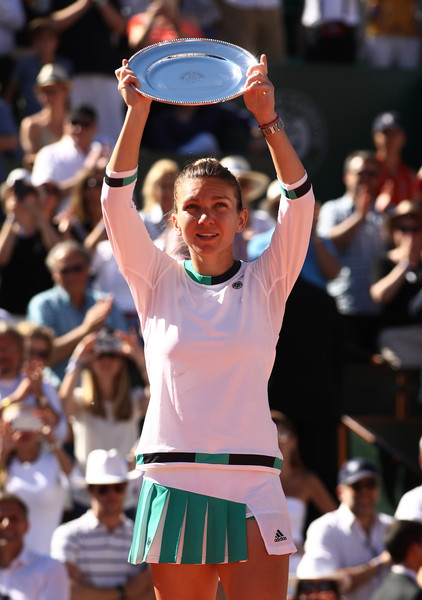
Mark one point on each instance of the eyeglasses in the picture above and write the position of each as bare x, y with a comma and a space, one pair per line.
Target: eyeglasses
102, 490
369, 484
72, 269
407, 228
81, 123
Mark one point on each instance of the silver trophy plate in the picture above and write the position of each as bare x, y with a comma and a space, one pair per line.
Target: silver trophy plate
192, 71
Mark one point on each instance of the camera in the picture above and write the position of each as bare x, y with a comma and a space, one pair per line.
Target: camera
107, 343
26, 421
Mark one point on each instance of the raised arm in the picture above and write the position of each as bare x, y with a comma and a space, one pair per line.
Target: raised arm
126, 151
259, 99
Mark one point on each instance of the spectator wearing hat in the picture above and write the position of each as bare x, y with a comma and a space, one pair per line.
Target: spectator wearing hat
46, 126
348, 543
25, 574
403, 541
61, 162
397, 181
26, 236
95, 546
410, 504
397, 288
21, 89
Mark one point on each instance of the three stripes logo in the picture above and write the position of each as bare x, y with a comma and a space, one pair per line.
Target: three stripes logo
279, 537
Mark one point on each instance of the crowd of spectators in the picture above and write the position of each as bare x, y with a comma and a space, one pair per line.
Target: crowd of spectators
72, 370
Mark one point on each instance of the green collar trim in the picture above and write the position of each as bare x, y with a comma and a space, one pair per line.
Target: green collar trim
211, 279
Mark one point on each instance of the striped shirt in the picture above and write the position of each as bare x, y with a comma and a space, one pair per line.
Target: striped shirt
100, 554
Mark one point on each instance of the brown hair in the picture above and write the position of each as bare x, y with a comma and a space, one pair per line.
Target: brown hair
31, 330
122, 405
208, 168
282, 420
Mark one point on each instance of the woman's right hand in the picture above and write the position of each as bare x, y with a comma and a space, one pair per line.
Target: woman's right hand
127, 80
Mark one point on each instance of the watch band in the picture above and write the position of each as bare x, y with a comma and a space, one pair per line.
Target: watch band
270, 129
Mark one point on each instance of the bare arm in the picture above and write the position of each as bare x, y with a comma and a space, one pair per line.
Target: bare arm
387, 288
320, 496
351, 578
343, 233
259, 99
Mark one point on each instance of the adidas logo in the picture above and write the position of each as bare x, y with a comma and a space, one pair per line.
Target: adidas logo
279, 537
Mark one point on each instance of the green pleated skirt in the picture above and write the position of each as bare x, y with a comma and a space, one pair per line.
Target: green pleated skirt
180, 527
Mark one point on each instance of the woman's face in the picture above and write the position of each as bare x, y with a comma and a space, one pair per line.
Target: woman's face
164, 191
207, 216
406, 230
107, 363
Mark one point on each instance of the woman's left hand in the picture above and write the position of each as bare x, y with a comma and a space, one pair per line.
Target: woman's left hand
259, 93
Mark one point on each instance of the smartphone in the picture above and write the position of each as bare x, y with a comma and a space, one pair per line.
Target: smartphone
26, 422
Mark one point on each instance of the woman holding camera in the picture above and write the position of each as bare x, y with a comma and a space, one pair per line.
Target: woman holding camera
212, 504
104, 408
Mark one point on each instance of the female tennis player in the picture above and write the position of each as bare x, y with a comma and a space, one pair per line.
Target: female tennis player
211, 504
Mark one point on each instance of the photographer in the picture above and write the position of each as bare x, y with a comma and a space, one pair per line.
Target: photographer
103, 406
25, 238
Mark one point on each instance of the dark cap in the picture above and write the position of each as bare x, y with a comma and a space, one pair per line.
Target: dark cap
387, 120
355, 469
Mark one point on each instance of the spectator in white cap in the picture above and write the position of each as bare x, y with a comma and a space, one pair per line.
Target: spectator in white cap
95, 546
410, 504
52, 87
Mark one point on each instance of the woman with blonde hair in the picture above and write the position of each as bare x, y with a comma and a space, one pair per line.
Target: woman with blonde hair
102, 404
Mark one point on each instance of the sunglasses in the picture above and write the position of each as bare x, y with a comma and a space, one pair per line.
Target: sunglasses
40, 353
107, 355
407, 228
72, 269
80, 123
370, 484
102, 490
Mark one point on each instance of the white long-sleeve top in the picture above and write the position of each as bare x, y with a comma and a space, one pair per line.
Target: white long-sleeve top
209, 349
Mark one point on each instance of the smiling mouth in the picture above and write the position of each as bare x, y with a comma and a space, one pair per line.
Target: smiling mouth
207, 236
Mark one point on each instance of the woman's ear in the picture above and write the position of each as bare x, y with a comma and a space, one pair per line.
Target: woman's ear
242, 219
176, 225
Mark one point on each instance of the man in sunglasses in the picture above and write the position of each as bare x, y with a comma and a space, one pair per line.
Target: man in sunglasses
348, 543
95, 546
61, 162
71, 308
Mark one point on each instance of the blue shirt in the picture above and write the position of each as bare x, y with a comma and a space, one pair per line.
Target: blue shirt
55, 309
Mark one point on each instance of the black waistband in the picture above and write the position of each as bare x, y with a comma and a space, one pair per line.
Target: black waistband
260, 460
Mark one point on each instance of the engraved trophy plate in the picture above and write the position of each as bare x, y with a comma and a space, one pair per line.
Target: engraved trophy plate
192, 71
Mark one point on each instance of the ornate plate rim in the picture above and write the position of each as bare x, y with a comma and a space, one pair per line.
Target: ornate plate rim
173, 43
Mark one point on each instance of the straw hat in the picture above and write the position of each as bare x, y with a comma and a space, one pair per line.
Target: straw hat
107, 466
241, 169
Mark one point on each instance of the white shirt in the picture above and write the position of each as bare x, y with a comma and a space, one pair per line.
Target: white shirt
59, 161
35, 577
42, 486
410, 505
317, 12
337, 540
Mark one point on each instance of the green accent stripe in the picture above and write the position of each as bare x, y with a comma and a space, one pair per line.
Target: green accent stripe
194, 536
120, 181
216, 535
211, 279
212, 459
204, 279
297, 192
176, 510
